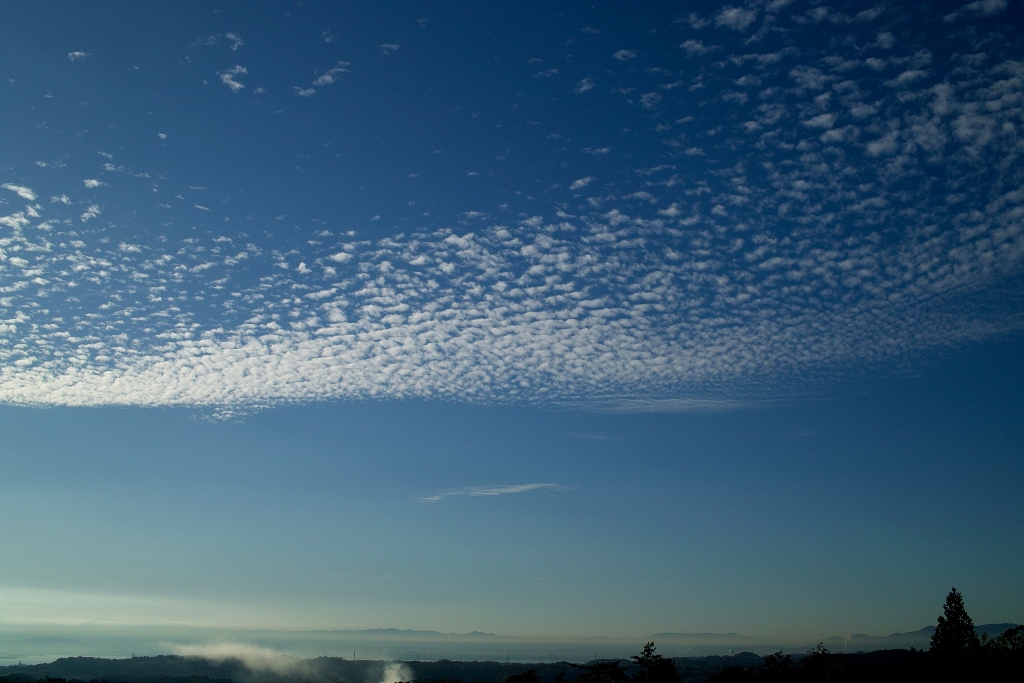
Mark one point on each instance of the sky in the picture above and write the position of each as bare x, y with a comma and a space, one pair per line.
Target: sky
538, 319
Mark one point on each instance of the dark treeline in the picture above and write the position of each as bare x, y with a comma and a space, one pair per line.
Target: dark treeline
21, 678
149, 669
956, 653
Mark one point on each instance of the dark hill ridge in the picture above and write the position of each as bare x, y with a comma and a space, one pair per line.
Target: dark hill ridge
131, 669
175, 669
475, 650
919, 639
880, 666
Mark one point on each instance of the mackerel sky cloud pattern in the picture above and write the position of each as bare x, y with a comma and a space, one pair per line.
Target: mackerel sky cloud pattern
764, 209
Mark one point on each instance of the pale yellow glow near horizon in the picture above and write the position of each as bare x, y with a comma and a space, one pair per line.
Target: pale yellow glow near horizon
42, 606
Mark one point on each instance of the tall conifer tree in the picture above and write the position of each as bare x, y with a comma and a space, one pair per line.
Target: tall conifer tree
955, 630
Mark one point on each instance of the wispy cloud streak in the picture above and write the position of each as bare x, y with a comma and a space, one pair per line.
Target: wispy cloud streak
487, 491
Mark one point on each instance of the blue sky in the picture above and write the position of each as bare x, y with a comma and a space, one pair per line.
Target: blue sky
538, 320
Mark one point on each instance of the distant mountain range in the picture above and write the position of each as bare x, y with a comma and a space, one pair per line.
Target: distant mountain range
732, 638
404, 633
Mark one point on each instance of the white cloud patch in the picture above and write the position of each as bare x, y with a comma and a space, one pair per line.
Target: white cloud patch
254, 658
487, 491
625, 55
581, 183
92, 212
736, 18
21, 191
396, 672
695, 48
650, 100
826, 120
91, 183
981, 8
907, 77
885, 40
15, 221
583, 86
331, 75
75, 56
230, 77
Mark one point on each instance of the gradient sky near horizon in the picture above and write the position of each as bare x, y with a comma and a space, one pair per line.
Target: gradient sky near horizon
530, 318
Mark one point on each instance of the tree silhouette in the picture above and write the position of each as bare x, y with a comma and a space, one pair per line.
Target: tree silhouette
1012, 639
954, 633
528, 676
777, 666
601, 672
654, 668
821, 665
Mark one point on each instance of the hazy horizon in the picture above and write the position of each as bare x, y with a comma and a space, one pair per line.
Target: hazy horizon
261, 648
114, 638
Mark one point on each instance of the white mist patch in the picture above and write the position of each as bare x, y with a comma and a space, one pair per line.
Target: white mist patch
396, 672
252, 657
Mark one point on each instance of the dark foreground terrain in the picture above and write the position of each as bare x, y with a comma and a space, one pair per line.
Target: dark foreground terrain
818, 665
